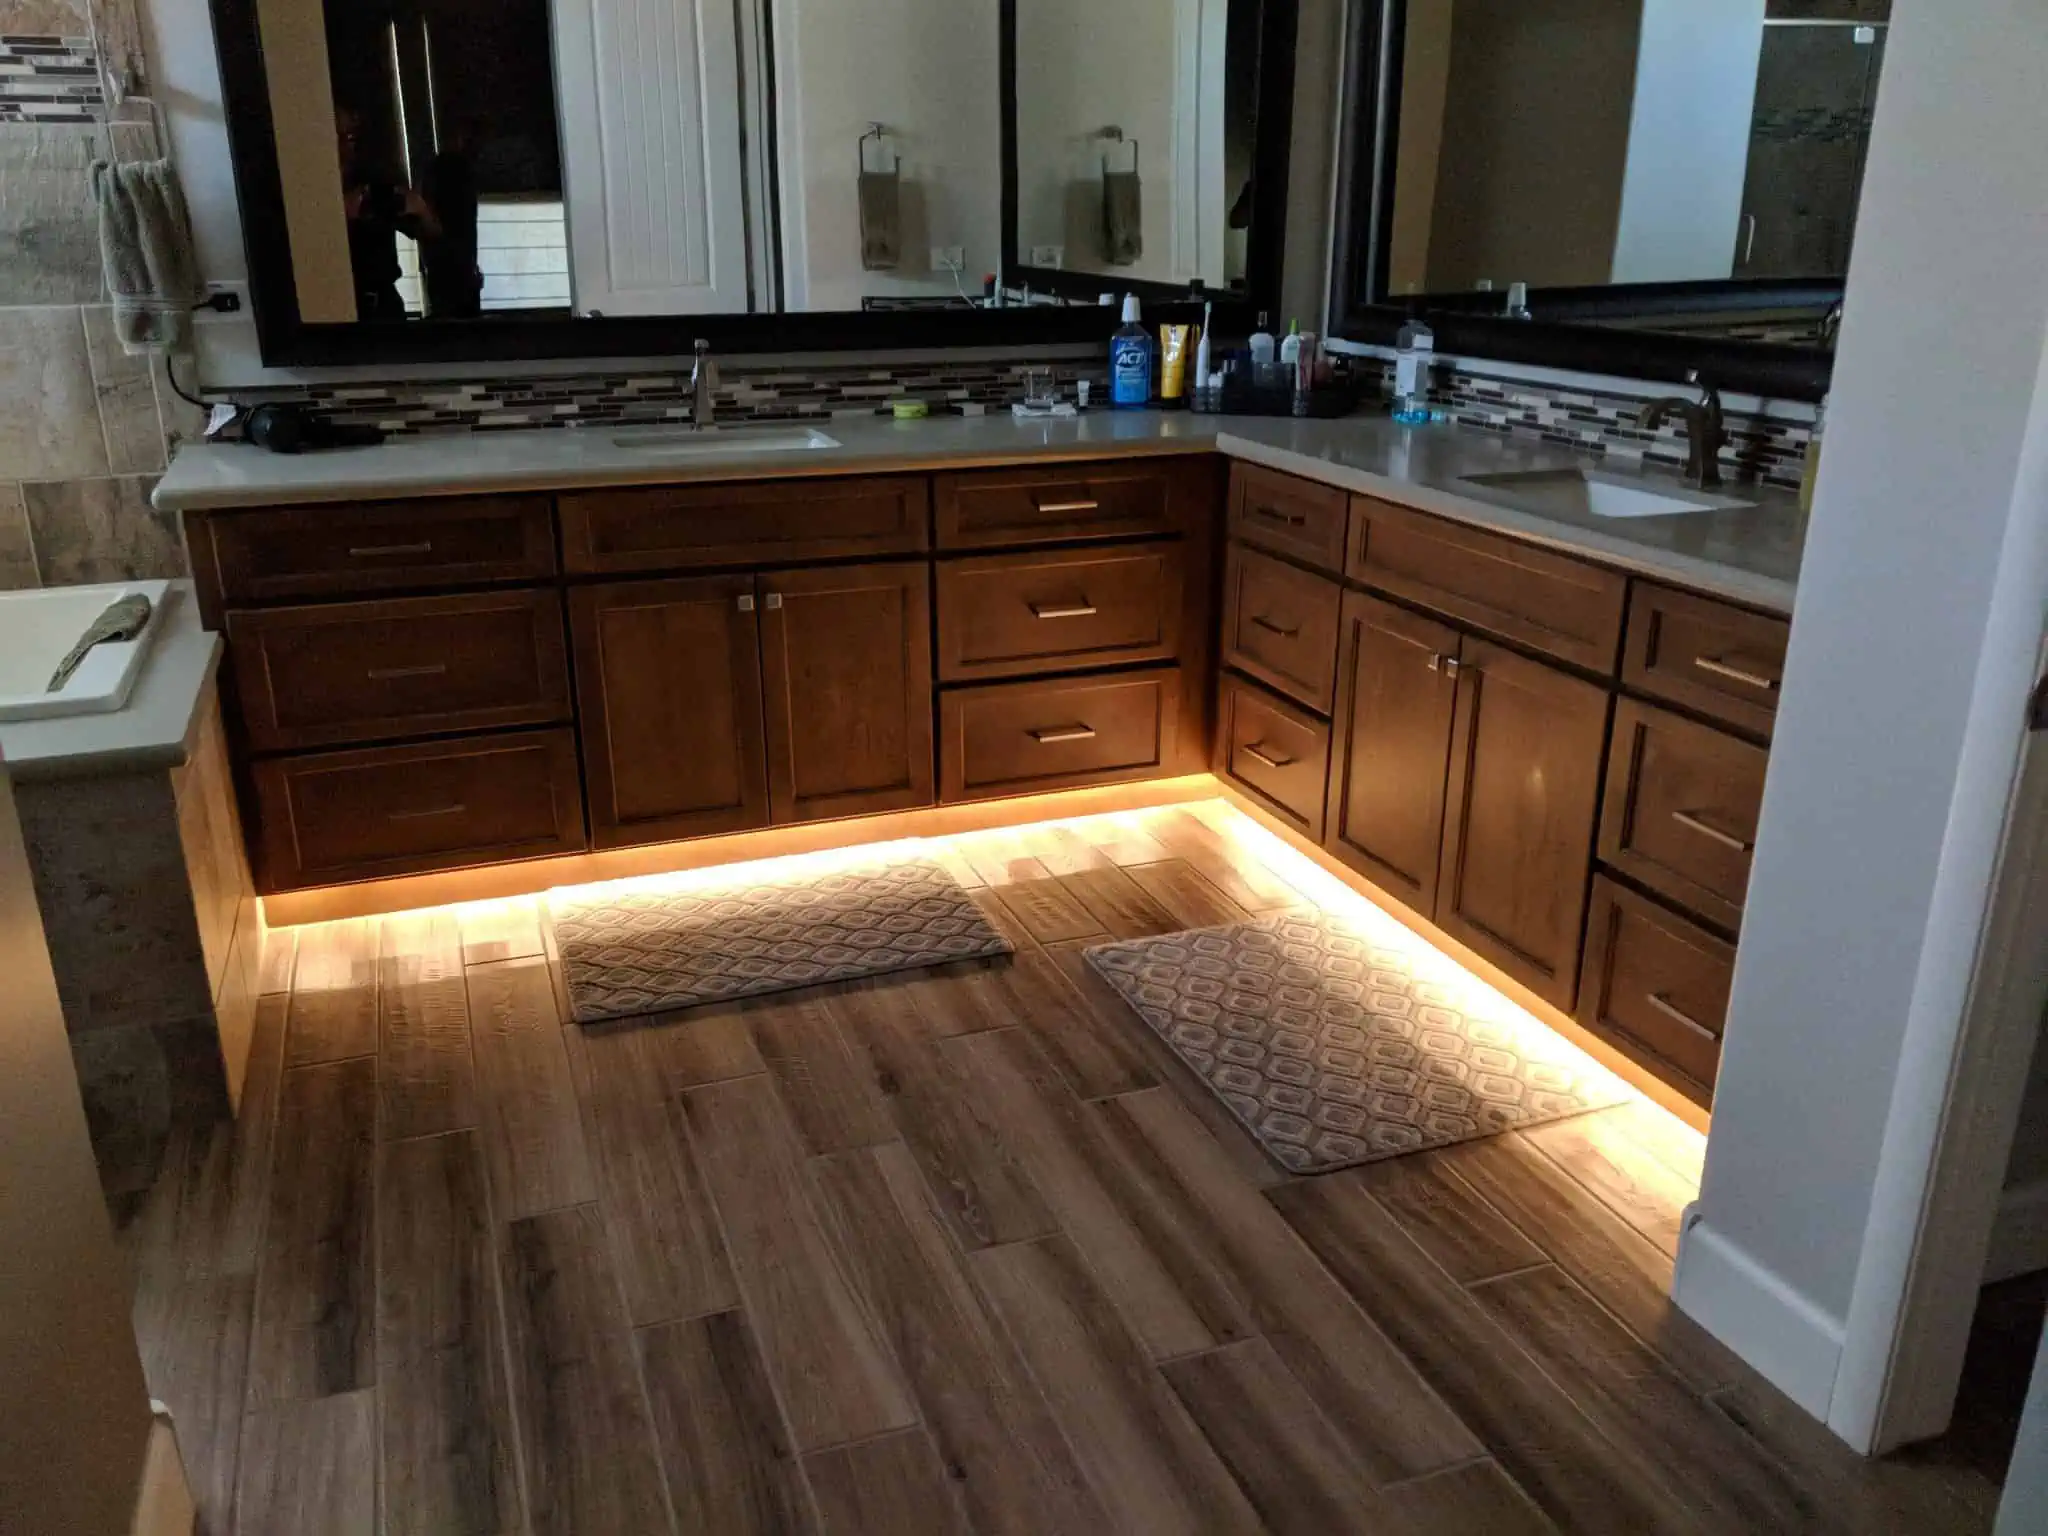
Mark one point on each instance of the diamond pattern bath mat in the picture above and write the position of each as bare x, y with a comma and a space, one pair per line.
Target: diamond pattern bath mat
626, 952
1333, 1051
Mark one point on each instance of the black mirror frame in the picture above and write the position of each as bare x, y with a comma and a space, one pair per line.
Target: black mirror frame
1279, 22
286, 339
1361, 311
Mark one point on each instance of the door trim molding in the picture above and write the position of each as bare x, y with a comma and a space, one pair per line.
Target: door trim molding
1757, 1314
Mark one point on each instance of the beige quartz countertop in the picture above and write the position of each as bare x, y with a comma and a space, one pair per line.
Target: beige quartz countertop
1749, 554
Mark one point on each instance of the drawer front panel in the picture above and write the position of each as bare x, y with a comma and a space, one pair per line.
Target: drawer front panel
1019, 738
1003, 615
1656, 988
354, 672
397, 810
1725, 662
1681, 809
759, 523
1274, 751
1548, 602
386, 546
985, 508
1289, 516
1280, 625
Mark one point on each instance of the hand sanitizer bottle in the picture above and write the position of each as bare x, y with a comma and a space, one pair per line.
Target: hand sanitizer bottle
1415, 348
1130, 361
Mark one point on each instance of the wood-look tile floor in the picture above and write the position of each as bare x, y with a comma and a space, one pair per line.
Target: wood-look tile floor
962, 1251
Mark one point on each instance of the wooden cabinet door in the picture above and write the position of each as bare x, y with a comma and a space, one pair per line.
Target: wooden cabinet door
1395, 707
1524, 797
846, 655
668, 675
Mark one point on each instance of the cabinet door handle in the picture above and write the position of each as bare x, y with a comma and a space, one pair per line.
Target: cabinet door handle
1275, 515
1259, 754
1735, 674
772, 602
1047, 735
1692, 822
746, 602
381, 551
1679, 1016
1274, 629
389, 674
1067, 506
439, 810
1081, 610
1450, 666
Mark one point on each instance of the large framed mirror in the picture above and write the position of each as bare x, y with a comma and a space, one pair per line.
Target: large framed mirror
1646, 187
469, 180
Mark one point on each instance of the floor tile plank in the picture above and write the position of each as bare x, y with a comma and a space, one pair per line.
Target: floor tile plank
1048, 911
194, 1337
1227, 867
1149, 1465
1062, 850
1468, 1499
1468, 1237
425, 1077
1602, 1152
947, 855
999, 857
280, 958
508, 929
724, 1449
310, 1468
445, 1433
532, 1130
671, 1251
315, 1295
1092, 1049
1003, 920
585, 1438
1292, 1465
684, 1050
985, 1415
893, 1486
832, 1371
1188, 894
1120, 906
825, 1082
1122, 835
334, 993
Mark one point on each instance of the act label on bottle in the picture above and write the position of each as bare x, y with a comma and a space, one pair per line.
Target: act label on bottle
1130, 374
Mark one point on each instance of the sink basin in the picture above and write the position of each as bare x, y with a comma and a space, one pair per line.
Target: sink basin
717, 442
1582, 492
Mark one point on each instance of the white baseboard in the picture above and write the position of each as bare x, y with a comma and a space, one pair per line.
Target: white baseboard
2019, 1238
1782, 1335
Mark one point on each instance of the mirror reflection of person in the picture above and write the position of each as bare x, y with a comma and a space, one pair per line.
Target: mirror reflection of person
454, 282
378, 210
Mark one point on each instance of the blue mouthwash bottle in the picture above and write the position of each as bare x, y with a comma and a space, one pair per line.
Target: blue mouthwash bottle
1130, 361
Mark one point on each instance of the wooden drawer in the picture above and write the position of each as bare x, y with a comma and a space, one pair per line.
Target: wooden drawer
1003, 615
1724, 662
1681, 809
1020, 738
984, 508
410, 666
1289, 516
357, 548
1276, 753
1655, 987
341, 816
1280, 625
1548, 602
763, 522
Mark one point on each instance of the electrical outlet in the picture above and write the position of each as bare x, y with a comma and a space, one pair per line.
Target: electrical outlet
223, 300
949, 258
1053, 256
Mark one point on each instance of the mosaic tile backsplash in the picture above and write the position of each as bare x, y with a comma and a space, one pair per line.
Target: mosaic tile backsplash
46, 79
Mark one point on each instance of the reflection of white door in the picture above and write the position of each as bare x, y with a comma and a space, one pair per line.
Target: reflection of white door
649, 101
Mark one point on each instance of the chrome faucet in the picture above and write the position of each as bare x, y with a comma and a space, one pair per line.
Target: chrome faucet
703, 380
1704, 431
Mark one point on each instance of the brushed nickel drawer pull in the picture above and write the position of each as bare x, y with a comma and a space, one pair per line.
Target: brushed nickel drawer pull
1259, 754
746, 602
1274, 515
443, 810
1676, 1015
1271, 628
1048, 735
378, 551
391, 674
1081, 610
1068, 506
1735, 674
772, 602
1695, 823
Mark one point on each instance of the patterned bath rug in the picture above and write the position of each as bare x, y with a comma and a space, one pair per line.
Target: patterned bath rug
1337, 1046
627, 951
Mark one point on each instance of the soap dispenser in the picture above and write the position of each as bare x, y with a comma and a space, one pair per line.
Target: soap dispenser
1130, 361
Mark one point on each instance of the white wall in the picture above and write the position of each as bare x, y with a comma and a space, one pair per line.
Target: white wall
927, 70
1688, 145
1913, 646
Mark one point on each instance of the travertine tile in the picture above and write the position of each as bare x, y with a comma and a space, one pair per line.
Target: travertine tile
49, 418
127, 397
102, 530
48, 227
45, 18
17, 552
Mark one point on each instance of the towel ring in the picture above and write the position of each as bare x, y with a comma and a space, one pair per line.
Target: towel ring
1115, 135
122, 87
880, 135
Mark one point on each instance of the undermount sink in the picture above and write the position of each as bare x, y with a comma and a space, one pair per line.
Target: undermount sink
1582, 492
717, 442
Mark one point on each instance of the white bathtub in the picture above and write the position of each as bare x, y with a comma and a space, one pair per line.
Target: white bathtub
38, 629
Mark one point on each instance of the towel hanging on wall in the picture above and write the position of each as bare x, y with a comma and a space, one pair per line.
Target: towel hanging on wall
146, 252
1123, 207
881, 208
